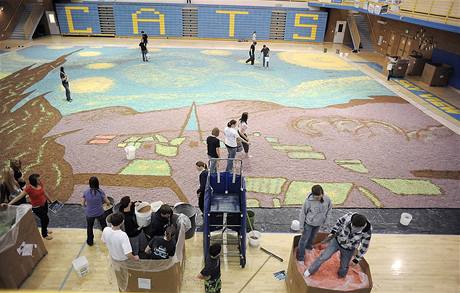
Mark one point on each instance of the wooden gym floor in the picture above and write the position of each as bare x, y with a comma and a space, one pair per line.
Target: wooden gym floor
399, 263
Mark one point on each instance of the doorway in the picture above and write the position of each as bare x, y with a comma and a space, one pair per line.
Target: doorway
339, 32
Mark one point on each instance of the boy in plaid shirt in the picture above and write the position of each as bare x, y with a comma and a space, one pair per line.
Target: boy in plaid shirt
350, 232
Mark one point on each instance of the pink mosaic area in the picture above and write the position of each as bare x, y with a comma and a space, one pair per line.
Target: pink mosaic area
374, 153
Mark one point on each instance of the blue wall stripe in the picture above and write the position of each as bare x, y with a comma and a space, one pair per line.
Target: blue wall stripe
210, 23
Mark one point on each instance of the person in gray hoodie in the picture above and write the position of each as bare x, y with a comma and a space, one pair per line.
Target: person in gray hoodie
313, 214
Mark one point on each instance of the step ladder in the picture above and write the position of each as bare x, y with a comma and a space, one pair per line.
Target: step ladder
225, 210
106, 19
190, 22
278, 25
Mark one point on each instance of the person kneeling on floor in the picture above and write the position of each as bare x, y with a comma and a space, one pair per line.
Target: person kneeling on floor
349, 232
162, 247
117, 241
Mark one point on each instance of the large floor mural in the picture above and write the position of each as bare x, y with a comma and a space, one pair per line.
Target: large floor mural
313, 118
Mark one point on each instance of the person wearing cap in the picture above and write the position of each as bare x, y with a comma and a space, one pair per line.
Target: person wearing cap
350, 232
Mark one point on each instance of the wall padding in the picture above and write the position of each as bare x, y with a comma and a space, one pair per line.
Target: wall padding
214, 21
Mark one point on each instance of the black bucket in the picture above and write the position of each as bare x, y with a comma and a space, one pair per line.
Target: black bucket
190, 212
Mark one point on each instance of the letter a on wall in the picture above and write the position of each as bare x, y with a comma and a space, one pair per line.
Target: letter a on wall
160, 19
313, 27
231, 23
68, 13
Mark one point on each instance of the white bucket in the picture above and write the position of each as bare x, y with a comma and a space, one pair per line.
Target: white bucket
341, 54
156, 206
405, 219
346, 54
254, 238
81, 266
143, 213
295, 225
130, 152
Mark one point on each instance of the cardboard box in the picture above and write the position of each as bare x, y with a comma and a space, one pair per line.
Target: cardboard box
15, 268
159, 276
436, 74
296, 283
416, 65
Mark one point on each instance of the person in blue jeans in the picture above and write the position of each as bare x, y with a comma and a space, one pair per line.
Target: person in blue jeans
93, 199
314, 213
351, 232
231, 137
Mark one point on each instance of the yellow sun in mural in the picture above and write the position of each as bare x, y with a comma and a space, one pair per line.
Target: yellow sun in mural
89, 53
59, 47
216, 52
315, 60
91, 85
100, 65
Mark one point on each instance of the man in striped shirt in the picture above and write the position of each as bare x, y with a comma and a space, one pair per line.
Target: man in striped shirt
352, 231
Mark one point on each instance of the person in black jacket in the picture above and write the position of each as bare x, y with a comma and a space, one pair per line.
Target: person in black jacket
203, 169
144, 51
252, 53
160, 220
132, 229
265, 55
65, 84
145, 38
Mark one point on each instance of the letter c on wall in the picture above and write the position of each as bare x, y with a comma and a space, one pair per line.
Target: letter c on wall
68, 13
313, 27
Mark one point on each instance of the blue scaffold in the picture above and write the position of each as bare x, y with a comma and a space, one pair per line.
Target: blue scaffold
225, 209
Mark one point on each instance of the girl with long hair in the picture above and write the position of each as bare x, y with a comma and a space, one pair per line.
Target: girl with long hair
242, 129
93, 198
203, 169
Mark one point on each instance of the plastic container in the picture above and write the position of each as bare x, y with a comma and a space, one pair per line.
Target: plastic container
143, 212
130, 152
254, 238
190, 212
405, 219
81, 266
156, 206
295, 225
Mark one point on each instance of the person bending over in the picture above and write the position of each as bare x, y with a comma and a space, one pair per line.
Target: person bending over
161, 219
350, 232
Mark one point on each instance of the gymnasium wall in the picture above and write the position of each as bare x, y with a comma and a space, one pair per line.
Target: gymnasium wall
213, 21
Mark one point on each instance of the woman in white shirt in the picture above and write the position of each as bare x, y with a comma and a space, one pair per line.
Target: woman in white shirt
242, 128
231, 136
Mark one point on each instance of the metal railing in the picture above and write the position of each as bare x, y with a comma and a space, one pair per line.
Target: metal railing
354, 32
441, 11
13, 17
